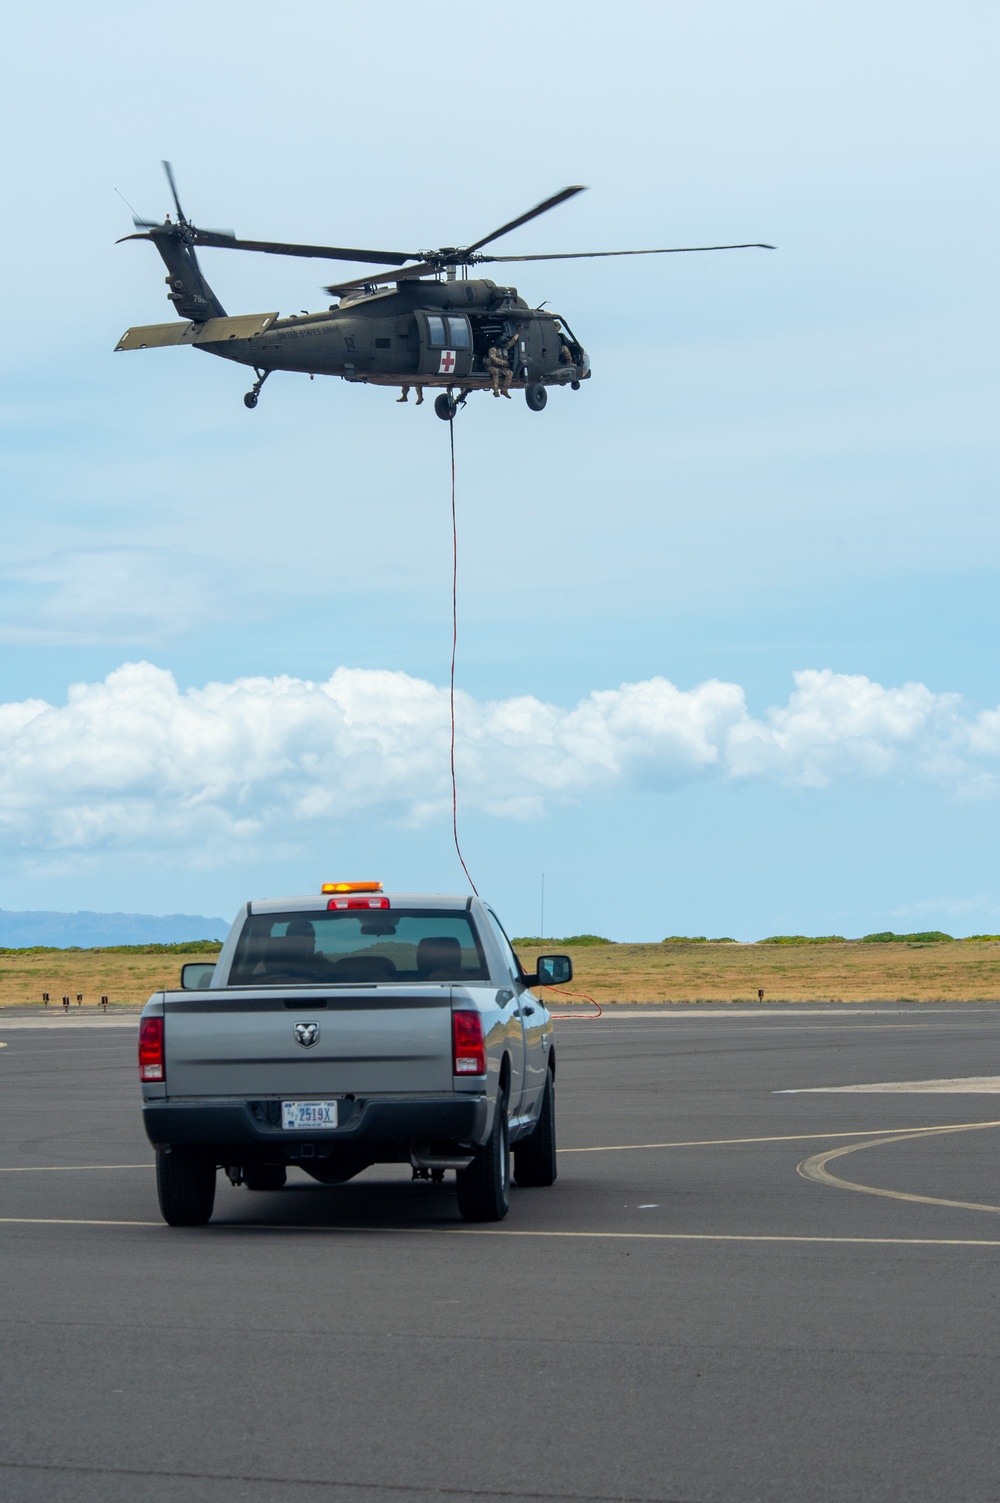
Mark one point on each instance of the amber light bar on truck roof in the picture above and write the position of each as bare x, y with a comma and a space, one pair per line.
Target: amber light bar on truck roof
351, 902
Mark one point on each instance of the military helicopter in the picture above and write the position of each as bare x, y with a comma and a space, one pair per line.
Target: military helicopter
433, 329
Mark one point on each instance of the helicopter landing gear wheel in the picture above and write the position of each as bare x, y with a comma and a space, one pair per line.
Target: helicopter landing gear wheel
536, 396
250, 400
445, 406
574, 386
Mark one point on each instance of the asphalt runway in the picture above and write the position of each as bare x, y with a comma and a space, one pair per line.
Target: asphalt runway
715, 1303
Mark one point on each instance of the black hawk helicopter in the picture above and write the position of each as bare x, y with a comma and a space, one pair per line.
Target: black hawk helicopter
434, 328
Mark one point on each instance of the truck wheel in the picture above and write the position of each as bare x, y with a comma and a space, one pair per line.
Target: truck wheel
265, 1177
484, 1188
185, 1185
535, 1157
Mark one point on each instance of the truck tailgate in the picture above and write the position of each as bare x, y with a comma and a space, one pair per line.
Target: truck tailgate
232, 1043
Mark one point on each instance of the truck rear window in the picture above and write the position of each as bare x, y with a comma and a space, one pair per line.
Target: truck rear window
399, 945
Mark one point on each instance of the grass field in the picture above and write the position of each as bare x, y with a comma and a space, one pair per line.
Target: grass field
126, 978
853, 972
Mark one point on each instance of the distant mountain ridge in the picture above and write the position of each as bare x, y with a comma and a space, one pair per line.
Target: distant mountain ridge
39, 927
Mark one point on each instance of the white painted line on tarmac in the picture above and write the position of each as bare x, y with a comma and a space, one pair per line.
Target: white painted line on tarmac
959, 1085
776, 1027
679, 1011
60, 1021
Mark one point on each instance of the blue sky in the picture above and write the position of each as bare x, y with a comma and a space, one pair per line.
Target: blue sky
784, 464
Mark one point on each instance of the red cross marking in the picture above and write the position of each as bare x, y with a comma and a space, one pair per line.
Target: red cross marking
448, 362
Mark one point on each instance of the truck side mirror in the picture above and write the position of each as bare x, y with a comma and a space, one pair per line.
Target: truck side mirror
197, 975
554, 970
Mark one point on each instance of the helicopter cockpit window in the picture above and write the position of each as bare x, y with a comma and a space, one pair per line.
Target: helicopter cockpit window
458, 334
435, 331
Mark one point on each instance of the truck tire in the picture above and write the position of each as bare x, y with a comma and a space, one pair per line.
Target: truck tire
535, 1157
484, 1188
185, 1186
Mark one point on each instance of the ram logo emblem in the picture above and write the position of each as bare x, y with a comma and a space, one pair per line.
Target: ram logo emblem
306, 1034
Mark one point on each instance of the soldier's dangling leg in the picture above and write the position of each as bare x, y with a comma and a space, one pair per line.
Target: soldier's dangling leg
406, 393
420, 395
506, 376
494, 371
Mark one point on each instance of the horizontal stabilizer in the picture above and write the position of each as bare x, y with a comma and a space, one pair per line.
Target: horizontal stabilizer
213, 331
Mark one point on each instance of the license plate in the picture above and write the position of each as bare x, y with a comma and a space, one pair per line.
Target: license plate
297, 1116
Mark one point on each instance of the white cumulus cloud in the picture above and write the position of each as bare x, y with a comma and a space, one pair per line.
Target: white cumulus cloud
136, 762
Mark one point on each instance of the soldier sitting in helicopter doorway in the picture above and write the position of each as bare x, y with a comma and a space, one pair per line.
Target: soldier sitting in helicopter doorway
497, 365
565, 353
406, 393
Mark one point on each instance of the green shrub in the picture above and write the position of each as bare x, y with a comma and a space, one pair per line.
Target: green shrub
927, 937
684, 939
803, 939
532, 940
188, 947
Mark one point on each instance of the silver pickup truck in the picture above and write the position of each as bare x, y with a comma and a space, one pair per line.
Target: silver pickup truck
351, 1029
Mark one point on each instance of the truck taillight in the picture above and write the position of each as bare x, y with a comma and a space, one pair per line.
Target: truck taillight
358, 903
468, 1046
151, 1049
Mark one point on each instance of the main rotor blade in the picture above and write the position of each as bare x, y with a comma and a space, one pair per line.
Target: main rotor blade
287, 248
671, 250
404, 274
173, 188
550, 203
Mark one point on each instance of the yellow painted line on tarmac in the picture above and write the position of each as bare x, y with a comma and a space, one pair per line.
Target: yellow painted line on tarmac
469, 1231
815, 1169
66, 1168
803, 1137
68, 1221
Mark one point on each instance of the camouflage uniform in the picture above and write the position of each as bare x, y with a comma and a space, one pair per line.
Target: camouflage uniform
497, 366
406, 393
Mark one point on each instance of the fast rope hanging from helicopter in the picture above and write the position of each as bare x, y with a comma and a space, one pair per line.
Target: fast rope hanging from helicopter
451, 711
454, 648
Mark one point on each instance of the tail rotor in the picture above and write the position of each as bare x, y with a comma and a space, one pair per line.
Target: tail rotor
182, 225
173, 188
